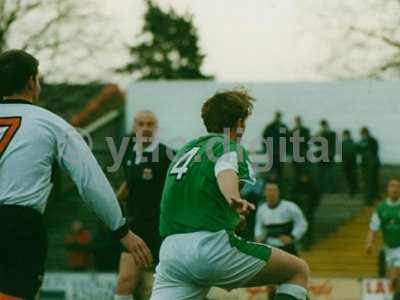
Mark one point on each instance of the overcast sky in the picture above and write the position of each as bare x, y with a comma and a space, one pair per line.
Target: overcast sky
257, 40
244, 41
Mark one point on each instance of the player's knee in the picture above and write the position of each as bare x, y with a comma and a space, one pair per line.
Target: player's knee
305, 268
302, 274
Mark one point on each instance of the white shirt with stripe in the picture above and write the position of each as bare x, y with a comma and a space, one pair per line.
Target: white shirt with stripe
285, 213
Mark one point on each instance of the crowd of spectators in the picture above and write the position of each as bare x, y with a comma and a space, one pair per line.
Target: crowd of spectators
307, 165
317, 156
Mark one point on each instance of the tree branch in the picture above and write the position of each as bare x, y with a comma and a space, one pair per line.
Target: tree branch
387, 66
373, 34
62, 14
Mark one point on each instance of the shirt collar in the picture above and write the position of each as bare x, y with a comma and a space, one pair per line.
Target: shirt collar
274, 206
15, 101
392, 203
153, 146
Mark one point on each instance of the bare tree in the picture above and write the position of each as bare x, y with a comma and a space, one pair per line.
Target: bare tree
366, 42
64, 34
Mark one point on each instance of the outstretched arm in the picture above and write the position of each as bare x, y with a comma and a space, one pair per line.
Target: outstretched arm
75, 157
228, 182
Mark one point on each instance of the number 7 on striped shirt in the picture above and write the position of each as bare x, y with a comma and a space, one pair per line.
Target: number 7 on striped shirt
11, 125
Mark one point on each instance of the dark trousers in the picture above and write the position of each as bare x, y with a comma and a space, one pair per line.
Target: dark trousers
351, 176
308, 203
277, 165
370, 174
23, 249
327, 177
300, 168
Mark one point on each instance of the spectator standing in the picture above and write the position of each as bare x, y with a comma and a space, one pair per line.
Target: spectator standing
349, 161
272, 135
327, 167
78, 243
370, 164
307, 196
300, 138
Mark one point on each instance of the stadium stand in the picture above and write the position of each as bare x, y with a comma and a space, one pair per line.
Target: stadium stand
342, 253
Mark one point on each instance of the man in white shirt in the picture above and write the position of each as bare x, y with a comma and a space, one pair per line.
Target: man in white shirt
279, 223
31, 140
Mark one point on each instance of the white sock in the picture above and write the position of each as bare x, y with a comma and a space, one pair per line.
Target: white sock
123, 297
293, 290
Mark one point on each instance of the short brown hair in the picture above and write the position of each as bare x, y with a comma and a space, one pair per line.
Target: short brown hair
225, 109
16, 67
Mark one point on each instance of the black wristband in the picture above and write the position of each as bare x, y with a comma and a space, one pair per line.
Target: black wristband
121, 232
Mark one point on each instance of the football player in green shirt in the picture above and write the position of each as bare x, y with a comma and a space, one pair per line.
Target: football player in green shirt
387, 219
201, 209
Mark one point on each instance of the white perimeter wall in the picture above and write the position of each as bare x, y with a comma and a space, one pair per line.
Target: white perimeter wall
350, 104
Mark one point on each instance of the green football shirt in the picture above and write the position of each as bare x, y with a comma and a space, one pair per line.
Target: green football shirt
387, 218
191, 198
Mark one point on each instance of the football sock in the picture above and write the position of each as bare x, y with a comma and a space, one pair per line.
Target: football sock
290, 292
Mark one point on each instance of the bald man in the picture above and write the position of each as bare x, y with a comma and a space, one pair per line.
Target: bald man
145, 164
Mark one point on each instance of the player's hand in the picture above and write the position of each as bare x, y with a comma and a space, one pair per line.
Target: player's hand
242, 225
139, 250
241, 206
286, 240
369, 249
